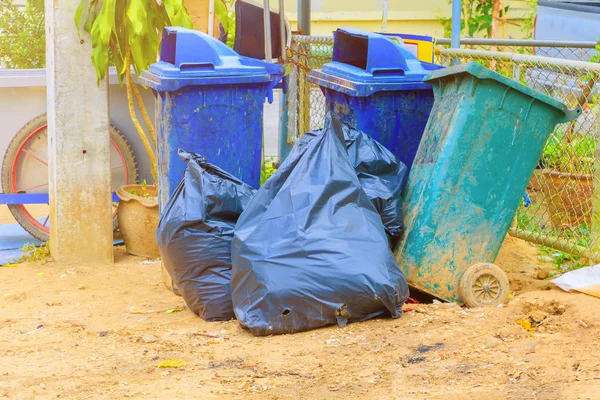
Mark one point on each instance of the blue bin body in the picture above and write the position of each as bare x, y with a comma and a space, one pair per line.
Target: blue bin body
209, 101
376, 85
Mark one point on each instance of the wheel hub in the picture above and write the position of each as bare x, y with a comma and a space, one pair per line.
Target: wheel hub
486, 287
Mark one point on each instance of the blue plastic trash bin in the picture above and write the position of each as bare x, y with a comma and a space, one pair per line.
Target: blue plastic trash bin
376, 85
209, 101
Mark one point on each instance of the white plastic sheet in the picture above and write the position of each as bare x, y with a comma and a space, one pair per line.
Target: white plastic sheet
585, 280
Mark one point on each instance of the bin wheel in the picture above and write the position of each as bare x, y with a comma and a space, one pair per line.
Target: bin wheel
24, 170
484, 285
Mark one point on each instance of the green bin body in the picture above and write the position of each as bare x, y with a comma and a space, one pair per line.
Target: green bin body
481, 144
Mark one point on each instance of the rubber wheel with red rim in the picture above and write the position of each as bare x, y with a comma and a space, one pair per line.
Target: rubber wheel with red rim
26, 160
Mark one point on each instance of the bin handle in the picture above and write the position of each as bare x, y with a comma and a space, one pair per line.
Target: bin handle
570, 115
194, 67
387, 72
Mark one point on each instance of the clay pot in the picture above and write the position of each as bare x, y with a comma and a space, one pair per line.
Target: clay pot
536, 182
138, 219
569, 198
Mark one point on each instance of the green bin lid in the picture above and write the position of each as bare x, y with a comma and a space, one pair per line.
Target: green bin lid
481, 72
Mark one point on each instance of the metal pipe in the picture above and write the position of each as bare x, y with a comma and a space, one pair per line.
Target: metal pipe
211, 17
480, 42
282, 30
267, 21
519, 42
313, 39
284, 146
304, 17
558, 244
385, 16
539, 60
456, 11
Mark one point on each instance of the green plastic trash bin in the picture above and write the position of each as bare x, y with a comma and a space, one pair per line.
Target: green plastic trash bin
481, 144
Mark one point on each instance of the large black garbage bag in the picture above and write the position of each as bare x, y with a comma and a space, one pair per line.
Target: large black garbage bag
380, 173
310, 249
195, 233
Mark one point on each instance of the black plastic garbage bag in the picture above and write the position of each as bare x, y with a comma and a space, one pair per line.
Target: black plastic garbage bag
310, 249
195, 233
380, 173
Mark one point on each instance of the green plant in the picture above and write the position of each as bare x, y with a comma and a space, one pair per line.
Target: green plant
476, 18
596, 57
529, 20
269, 167
22, 35
231, 26
143, 193
128, 32
532, 220
563, 261
574, 156
33, 253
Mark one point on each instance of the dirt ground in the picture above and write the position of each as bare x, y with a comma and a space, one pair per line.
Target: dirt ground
101, 332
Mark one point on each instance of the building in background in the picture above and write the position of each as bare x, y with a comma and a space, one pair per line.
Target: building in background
404, 16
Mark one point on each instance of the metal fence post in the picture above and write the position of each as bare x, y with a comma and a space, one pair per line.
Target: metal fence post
304, 17
303, 91
284, 145
595, 229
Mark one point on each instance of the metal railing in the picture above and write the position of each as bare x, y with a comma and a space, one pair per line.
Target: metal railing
561, 208
573, 50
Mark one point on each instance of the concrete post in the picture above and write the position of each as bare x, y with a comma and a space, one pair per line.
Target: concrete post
81, 226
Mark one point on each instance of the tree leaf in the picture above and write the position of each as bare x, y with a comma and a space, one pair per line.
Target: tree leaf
177, 13
138, 17
118, 59
222, 14
91, 16
78, 16
100, 61
485, 21
101, 32
120, 33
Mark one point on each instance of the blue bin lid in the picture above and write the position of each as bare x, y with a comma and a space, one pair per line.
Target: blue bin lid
365, 62
193, 58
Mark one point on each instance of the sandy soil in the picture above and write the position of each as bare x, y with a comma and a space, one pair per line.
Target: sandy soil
100, 332
5, 215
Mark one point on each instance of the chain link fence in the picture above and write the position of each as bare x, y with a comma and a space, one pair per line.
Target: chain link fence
305, 101
561, 207
570, 50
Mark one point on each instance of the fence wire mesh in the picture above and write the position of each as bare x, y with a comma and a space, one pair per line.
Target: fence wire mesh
306, 103
581, 51
561, 207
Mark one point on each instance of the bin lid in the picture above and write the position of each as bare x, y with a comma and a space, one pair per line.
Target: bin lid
193, 58
365, 62
481, 72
